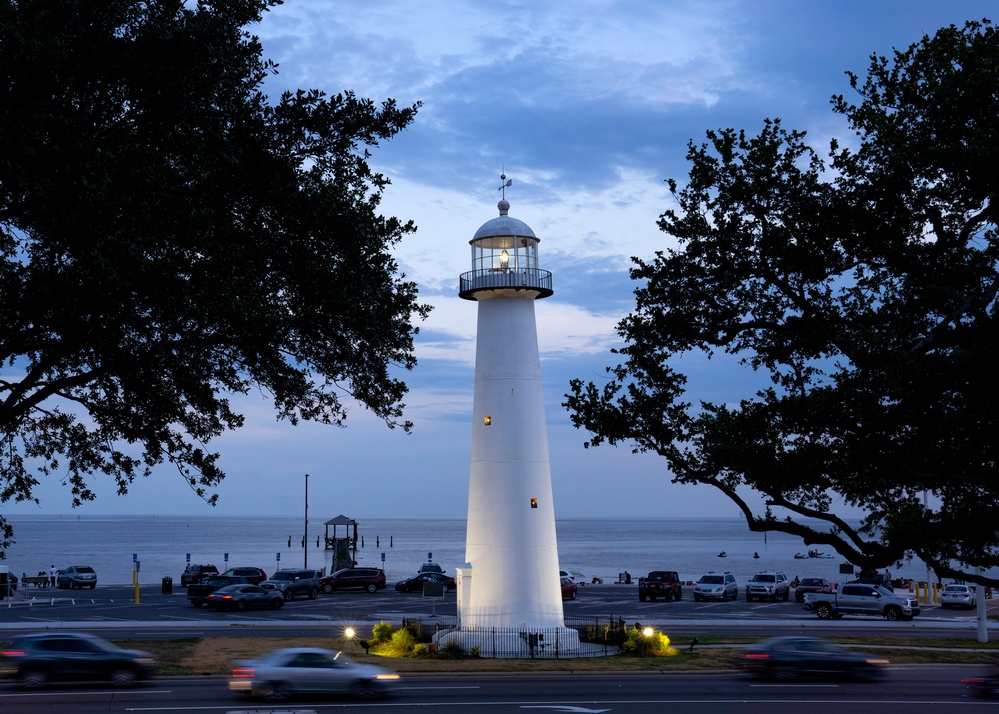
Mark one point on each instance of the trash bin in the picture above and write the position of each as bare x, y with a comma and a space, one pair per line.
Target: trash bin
167, 586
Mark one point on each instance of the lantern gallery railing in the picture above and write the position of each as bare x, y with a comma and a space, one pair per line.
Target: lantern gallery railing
540, 281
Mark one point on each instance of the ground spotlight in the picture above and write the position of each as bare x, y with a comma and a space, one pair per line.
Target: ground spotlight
349, 633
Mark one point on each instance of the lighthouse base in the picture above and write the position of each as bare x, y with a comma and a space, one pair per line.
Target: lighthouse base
525, 642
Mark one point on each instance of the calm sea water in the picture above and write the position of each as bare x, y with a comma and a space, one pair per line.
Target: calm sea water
588, 547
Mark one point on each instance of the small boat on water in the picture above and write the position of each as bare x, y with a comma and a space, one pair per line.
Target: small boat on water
813, 554
723, 554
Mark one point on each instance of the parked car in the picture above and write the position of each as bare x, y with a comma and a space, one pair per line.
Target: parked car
566, 574
308, 670
811, 585
253, 575
716, 586
789, 657
196, 573
569, 588
292, 583
660, 583
36, 660
197, 593
415, 583
770, 585
369, 579
880, 580
958, 595
77, 576
862, 599
243, 597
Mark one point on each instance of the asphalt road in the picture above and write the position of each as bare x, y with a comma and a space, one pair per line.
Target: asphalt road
902, 690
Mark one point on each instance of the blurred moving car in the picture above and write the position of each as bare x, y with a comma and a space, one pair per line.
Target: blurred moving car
293, 582
252, 575
368, 579
956, 595
716, 586
196, 573
789, 657
77, 576
811, 585
985, 685
569, 589
308, 670
243, 597
415, 583
38, 659
197, 593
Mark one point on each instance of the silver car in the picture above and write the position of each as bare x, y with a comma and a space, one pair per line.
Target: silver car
77, 576
957, 596
716, 586
308, 670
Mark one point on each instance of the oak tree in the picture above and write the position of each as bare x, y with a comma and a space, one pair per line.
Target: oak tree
860, 285
172, 237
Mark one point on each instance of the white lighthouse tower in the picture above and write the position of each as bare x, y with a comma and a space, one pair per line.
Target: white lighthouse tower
511, 579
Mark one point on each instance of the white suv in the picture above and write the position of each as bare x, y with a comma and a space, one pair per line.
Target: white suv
768, 585
716, 586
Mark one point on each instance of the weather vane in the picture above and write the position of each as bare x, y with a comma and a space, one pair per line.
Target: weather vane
504, 186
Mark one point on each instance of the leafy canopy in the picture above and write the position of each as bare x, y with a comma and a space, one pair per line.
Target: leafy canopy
171, 237
863, 286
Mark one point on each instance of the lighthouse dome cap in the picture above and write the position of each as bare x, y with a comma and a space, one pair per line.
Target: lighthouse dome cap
504, 225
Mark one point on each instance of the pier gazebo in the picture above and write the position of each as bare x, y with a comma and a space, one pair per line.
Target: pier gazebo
344, 547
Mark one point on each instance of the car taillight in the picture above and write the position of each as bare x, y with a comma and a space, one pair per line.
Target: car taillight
242, 672
227, 597
13, 653
757, 656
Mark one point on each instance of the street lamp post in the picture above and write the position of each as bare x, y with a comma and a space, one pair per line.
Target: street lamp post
305, 539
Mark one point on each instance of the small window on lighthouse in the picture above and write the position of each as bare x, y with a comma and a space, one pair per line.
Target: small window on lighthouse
487, 420
534, 503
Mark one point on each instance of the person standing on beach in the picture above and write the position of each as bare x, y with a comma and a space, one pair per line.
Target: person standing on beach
52, 575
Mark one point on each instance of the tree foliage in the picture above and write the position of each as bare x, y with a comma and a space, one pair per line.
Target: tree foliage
863, 285
172, 237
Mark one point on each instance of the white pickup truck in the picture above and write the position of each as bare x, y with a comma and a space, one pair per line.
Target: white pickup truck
862, 599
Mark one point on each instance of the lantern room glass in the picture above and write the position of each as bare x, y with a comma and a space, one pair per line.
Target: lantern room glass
505, 253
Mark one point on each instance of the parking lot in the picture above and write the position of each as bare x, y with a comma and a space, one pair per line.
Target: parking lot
45, 607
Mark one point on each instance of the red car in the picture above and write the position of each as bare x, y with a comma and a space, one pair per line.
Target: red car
811, 585
569, 589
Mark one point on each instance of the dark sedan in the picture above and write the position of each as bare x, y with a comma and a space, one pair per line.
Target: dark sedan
243, 597
790, 657
415, 583
38, 659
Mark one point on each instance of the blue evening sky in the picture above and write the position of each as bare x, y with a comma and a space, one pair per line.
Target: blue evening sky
588, 106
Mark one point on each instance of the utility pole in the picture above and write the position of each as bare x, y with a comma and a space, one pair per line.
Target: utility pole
305, 539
